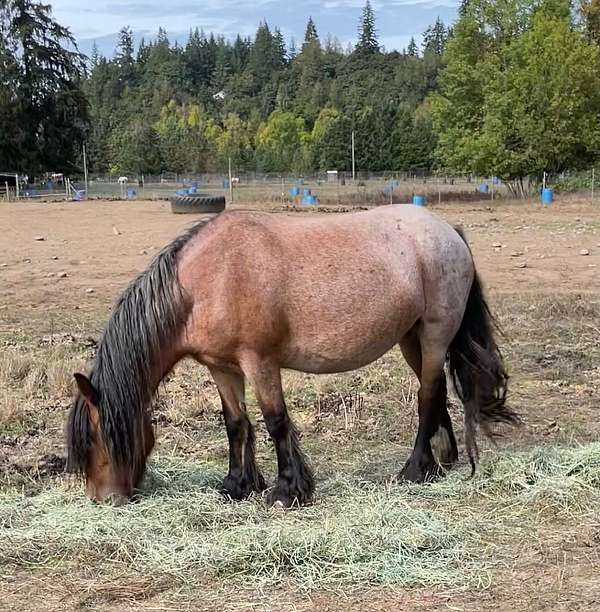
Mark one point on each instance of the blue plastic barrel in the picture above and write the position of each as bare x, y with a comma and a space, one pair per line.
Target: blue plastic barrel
306, 192
131, 193
192, 190
309, 199
79, 195
182, 192
418, 200
294, 191
547, 196
483, 188
495, 180
194, 185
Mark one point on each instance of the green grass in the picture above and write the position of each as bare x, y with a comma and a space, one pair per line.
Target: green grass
355, 533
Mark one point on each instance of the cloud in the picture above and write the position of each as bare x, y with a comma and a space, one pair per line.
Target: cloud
395, 19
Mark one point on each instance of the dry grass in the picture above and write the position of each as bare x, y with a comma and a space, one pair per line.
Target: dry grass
356, 533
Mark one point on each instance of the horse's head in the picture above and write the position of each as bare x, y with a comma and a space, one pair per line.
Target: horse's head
106, 479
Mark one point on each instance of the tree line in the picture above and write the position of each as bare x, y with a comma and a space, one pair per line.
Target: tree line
511, 89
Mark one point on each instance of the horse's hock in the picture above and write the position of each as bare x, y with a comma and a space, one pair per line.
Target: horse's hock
197, 204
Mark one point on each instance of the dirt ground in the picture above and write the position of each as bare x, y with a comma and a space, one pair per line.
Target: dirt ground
62, 265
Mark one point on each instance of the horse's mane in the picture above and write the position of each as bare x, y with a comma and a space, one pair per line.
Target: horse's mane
148, 315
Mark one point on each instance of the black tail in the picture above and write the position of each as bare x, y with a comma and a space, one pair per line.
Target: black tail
477, 370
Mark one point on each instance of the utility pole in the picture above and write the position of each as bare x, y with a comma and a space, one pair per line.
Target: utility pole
230, 183
85, 172
353, 165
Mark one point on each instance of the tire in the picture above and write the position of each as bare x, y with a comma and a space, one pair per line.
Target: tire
197, 205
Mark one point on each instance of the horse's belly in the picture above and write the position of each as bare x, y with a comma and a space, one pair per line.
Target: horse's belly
343, 348
305, 360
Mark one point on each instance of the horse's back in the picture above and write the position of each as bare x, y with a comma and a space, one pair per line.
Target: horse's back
324, 293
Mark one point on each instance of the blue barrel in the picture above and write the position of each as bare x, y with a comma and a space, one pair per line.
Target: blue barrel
306, 192
294, 191
194, 185
226, 184
131, 193
483, 188
547, 196
182, 192
192, 190
418, 200
309, 199
495, 180
79, 195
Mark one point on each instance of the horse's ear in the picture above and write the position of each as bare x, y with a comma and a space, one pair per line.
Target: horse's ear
86, 388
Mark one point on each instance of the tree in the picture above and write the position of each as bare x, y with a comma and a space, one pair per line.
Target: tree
281, 143
412, 50
590, 14
367, 37
435, 38
44, 72
507, 107
310, 35
135, 149
124, 56
235, 143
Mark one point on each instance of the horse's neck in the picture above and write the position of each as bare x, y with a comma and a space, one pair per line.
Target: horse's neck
169, 357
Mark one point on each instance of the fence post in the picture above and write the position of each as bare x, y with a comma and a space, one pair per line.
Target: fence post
593, 177
230, 184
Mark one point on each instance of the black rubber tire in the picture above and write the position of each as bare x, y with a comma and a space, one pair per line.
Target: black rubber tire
196, 205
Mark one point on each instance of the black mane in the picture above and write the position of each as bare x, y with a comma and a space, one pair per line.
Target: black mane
148, 315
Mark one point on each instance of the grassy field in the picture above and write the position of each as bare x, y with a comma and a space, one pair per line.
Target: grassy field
524, 533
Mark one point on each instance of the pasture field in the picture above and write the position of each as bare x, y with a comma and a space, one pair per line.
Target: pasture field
523, 534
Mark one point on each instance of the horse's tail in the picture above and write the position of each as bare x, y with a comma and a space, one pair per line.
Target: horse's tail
477, 369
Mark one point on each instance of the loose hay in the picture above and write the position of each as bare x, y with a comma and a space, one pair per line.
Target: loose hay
356, 532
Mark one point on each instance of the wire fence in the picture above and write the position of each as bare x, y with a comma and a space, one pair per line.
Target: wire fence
324, 188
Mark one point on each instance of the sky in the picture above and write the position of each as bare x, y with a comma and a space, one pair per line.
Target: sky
99, 20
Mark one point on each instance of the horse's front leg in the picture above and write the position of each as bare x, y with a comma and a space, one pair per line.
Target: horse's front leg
295, 483
244, 475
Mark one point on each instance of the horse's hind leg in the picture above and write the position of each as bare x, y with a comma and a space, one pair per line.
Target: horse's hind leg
426, 354
244, 475
295, 483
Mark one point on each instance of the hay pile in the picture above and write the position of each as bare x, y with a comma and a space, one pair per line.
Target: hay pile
357, 532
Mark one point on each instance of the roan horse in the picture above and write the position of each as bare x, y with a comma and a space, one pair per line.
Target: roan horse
250, 293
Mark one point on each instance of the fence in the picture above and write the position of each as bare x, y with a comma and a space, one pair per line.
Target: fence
329, 188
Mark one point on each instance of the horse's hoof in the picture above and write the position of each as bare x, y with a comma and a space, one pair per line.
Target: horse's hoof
236, 489
419, 472
287, 496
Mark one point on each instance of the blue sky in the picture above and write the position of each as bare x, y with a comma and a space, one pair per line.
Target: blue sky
397, 20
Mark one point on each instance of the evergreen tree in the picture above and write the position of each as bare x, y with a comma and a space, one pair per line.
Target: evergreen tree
435, 38
311, 33
45, 71
412, 50
124, 56
367, 36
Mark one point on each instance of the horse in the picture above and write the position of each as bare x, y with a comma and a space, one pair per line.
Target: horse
249, 293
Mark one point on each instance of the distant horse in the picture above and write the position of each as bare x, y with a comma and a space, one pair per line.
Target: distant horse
250, 293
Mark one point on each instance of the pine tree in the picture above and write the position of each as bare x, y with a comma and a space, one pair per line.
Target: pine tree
311, 33
124, 56
412, 50
95, 56
367, 35
435, 38
48, 76
463, 7
279, 50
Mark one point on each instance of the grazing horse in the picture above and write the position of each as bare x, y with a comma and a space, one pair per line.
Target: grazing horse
247, 294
